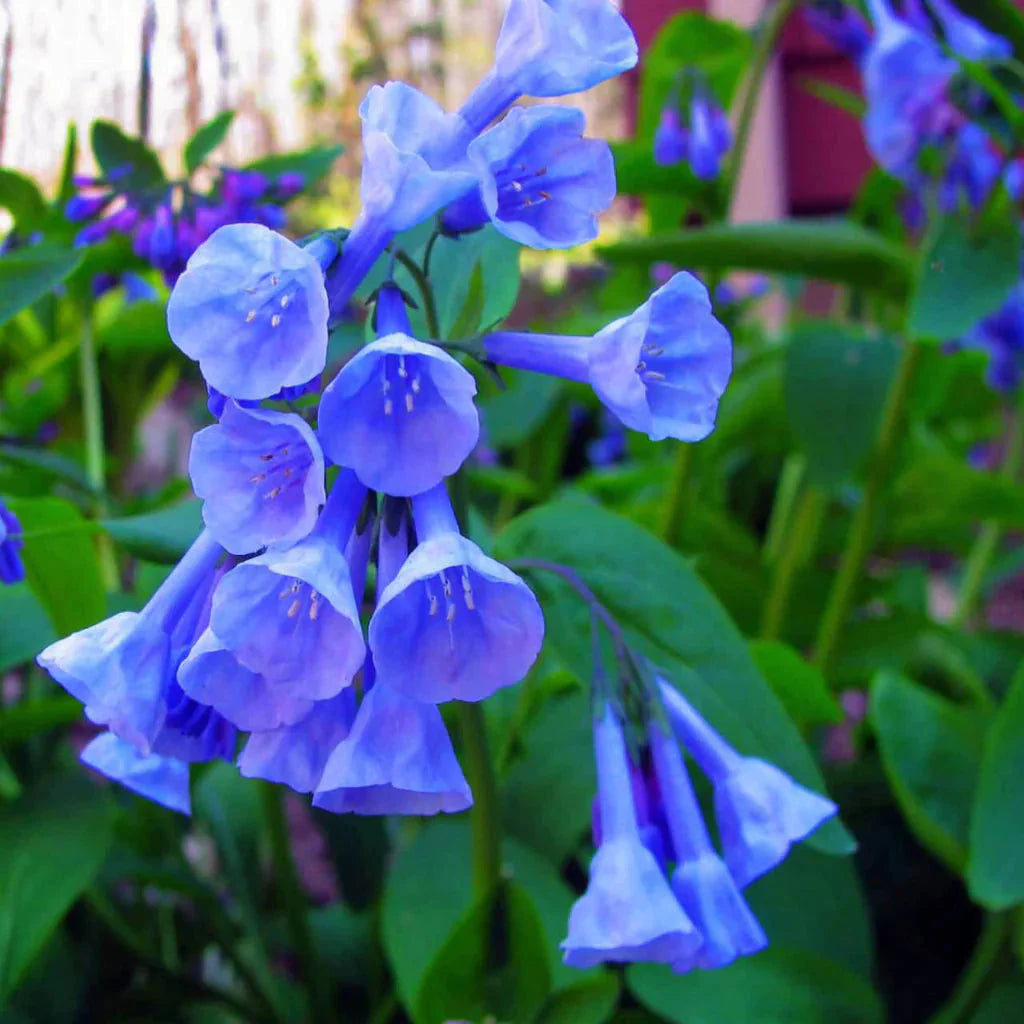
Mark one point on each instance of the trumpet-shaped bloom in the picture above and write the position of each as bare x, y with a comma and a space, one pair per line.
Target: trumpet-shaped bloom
161, 779
251, 308
760, 810
261, 477
967, 37
551, 48
671, 139
453, 624
841, 24
709, 138
628, 912
396, 759
660, 370
12, 570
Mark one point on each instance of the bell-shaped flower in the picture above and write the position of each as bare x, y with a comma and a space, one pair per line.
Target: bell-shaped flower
760, 810
700, 880
251, 308
122, 668
1001, 336
628, 912
541, 182
660, 370
260, 474
551, 48
453, 624
842, 24
671, 139
12, 569
400, 413
163, 780
709, 137
967, 37
973, 169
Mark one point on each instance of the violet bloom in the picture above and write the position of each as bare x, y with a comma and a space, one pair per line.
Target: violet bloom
709, 138
671, 140
401, 412
453, 624
260, 474
163, 780
661, 370
252, 310
551, 48
967, 37
86, 207
413, 153
973, 169
1001, 335
628, 912
701, 881
12, 569
542, 183
760, 810
842, 24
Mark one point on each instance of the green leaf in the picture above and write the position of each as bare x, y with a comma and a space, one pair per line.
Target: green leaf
836, 381
312, 163
518, 412
343, 941
827, 250
66, 188
995, 869
20, 195
1003, 17
61, 564
162, 536
835, 95
464, 982
49, 462
931, 751
206, 139
800, 687
34, 630
136, 329
645, 584
27, 718
114, 150
26, 275
1002, 1004
637, 174
587, 1002
965, 274
55, 839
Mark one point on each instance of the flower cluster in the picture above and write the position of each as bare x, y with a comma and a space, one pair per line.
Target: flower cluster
658, 889
11, 568
695, 131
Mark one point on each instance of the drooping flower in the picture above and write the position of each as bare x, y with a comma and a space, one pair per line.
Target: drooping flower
842, 24
1001, 336
709, 137
453, 624
671, 139
12, 569
251, 308
541, 182
628, 912
551, 48
760, 810
973, 169
401, 412
260, 474
661, 370
967, 37
161, 779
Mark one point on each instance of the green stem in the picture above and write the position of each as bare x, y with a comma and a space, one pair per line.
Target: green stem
678, 494
426, 292
974, 978
294, 900
786, 492
485, 816
987, 542
858, 541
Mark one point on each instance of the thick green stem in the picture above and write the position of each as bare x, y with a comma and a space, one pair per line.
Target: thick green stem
858, 541
787, 491
485, 816
678, 495
972, 982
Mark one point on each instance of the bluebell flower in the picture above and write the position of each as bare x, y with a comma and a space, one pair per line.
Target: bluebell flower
701, 881
260, 474
453, 624
12, 569
628, 912
161, 779
967, 37
842, 24
661, 370
709, 137
551, 48
760, 810
541, 182
401, 412
251, 308
81, 207
973, 169
671, 139
1001, 336
413, 165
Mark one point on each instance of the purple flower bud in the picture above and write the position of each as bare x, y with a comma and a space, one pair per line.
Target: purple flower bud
289, 184
842, 25
671, 142
710, 138
12, 569
243, 186
86, 207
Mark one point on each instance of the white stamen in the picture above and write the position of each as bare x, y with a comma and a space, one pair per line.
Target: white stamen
294, 609
275, 320
402, 371
314, 606
408, 401
467, 593
273, 494
416, 385
433, 604
388, 406
250, 316
285, 299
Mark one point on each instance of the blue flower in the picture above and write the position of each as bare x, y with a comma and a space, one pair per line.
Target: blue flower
709, 138
251, 308
81, 207
973, 169
628, 912
842, 25
967, 37
453, 624
671, 140
401, 412
12, 570
551, 48
760, 810
261, 477
661, 370
1001, 335
161, 779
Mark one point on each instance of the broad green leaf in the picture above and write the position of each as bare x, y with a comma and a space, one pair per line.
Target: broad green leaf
312, 163
464, 982
54, 841
995, 868
135, 330
359, 849
20, 196
29, 717
836, 382
25, 628
49, 462
671, 617
587, 1002
206, 139
513, 415
61, 564
931, 751
827, 250
343, 942
26, 275
965, 275
114, 150
162, 536
799, 685
1002, 1004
